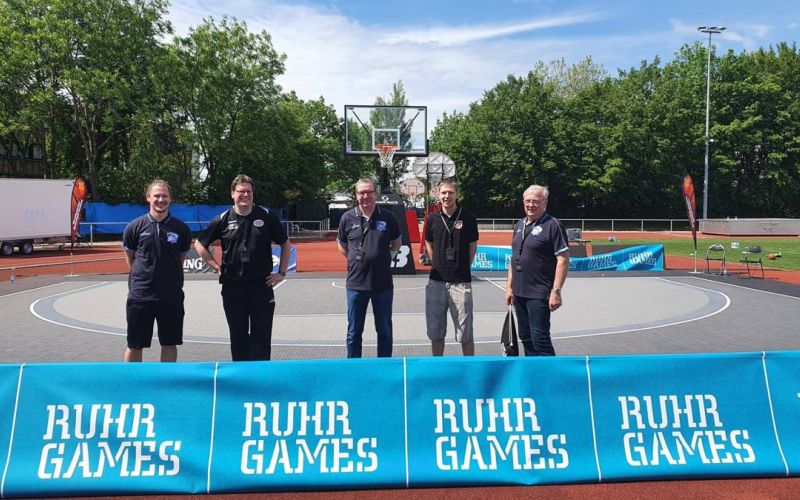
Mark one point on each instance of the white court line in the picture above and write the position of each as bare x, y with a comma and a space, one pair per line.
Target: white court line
32, 289
403, 344
675, 323
396, 289
614, 332
746, 288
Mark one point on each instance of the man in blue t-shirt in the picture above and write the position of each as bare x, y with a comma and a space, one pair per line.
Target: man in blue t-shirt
369, 238
155, 245
539, 266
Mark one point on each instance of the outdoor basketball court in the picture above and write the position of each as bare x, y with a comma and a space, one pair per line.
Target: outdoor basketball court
82, 319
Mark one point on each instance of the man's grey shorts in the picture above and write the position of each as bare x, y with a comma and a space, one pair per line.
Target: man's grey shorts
457, 297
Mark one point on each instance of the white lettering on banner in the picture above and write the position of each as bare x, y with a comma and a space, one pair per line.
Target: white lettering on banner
601, 262
87, 443
482, 261
304, 422
190, 264
709, 442
642, 258
469, 437
401, 260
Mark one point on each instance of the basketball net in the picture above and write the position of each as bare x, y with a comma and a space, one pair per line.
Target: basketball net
386, 154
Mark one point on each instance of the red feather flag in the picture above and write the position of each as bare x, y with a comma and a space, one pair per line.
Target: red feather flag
79, 191
688, 196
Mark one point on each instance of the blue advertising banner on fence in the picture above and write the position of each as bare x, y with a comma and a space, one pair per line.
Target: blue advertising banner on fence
112, 219
634, 258
316, 425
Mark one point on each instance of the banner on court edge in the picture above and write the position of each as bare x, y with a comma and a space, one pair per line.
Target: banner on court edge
110, 428
683, 417
784, 389
300, 425
195, 264
9, 377
687, 187
634, 258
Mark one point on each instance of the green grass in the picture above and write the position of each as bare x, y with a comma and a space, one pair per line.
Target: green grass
683, 247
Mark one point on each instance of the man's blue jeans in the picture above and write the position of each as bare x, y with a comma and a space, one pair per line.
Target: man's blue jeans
357, 301
533, 318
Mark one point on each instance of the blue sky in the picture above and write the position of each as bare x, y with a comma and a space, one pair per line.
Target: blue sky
448, 52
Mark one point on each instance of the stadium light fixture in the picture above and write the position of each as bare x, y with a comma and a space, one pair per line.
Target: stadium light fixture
711, 30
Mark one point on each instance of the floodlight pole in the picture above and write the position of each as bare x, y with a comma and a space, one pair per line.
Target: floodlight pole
710, 30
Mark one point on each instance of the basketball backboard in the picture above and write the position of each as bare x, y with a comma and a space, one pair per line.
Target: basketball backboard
368, 125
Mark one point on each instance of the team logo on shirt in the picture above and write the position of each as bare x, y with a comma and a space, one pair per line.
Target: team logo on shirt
232, 225
172, 238
459, 224
381, 225
536, 230
258, 223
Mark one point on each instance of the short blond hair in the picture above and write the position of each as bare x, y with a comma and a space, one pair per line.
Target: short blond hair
159, 183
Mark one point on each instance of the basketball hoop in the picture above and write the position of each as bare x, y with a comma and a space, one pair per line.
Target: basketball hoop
386, 154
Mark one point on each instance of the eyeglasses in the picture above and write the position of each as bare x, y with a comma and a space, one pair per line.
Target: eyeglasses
365, 193
534, 202
243, 191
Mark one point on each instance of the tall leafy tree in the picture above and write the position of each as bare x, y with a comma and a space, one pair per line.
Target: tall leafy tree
227, 91
86, 64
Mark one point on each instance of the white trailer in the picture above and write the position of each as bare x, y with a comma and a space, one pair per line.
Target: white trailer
34, 211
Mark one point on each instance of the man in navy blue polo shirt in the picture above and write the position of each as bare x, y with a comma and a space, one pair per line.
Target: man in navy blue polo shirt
369, 238
155, 245
539, 266
246, 233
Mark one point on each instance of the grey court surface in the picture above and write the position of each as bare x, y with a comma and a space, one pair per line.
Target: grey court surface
82, 318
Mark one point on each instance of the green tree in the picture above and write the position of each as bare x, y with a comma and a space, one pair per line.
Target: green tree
86, 64
225, 80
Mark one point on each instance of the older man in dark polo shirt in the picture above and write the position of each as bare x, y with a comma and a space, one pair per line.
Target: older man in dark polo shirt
368, 238
155, 245
452, 240
539, 266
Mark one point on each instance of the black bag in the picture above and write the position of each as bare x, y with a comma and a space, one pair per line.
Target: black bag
509, 343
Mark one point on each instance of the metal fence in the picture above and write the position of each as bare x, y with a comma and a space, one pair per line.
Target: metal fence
598, 224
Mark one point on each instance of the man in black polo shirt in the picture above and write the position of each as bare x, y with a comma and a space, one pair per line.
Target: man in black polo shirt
452, 240
155, 245
539, 266
246, 233
368, 238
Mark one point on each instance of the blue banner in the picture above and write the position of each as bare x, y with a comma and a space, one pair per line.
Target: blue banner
395, 423
634, 258
308, 425
105, 216
683, 417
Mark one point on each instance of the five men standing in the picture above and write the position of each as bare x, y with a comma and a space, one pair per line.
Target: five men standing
369, 238
451, 240
246, 233
155, 245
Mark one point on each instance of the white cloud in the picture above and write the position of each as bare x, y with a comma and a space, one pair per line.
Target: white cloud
445, 68
450, 36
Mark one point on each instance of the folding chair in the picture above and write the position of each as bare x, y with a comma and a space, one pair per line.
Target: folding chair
716, 252
751, 255
574, 234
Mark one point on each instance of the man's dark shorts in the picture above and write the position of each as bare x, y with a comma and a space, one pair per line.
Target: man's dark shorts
141, 315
